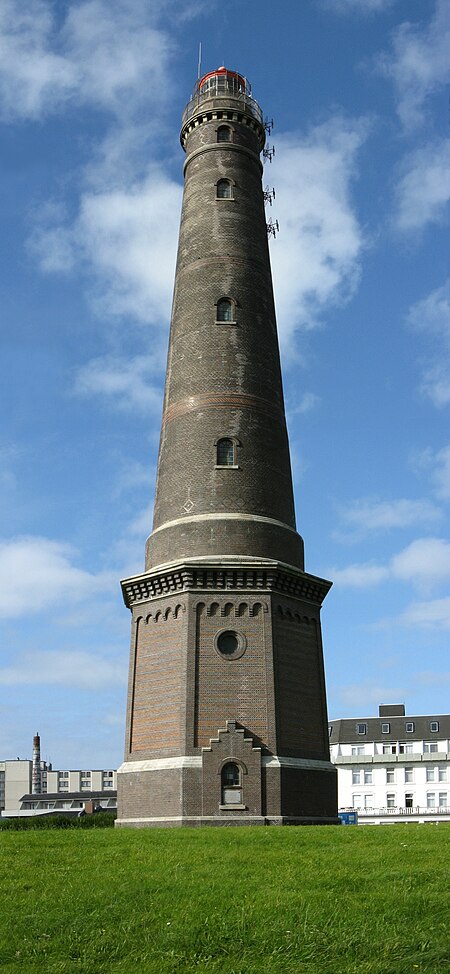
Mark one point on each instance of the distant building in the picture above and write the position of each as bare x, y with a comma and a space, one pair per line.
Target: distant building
393, 768
58, 790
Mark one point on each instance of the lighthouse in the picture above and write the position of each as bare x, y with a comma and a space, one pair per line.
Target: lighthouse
226, 712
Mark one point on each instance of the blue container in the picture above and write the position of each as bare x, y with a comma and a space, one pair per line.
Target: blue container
348, 818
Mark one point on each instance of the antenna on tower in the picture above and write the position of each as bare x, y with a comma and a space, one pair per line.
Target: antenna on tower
199, 60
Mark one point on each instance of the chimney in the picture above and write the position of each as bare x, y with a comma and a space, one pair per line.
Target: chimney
391, 710
36, 773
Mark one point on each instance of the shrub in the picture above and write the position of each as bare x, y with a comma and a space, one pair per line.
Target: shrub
100, 820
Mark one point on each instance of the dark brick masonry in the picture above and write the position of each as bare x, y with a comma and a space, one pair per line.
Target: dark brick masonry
226, 656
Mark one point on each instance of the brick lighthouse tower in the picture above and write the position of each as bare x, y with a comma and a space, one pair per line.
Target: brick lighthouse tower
226, 718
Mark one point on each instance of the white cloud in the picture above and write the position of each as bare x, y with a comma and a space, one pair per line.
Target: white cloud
126, 236
121, 54
128, 550
434, 614
359, 576
362, 517
132, 474
125, 231
423, 190
126, 240
141, 524
364, 7
308, 402
316, 256
361, 697
77, 670
419, 63
36, 573
105, 53
433, 678
425, 564
31, 74
431, 316
436, 384
8, 456
114, 720
437, 465
126, 382
441, 475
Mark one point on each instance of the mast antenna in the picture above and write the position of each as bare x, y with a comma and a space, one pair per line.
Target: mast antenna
199, 60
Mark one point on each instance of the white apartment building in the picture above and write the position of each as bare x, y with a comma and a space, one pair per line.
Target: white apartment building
393, 767
59, 791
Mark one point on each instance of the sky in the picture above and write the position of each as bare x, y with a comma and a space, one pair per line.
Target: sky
91, 97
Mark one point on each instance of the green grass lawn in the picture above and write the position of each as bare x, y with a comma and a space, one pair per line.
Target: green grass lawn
334, 900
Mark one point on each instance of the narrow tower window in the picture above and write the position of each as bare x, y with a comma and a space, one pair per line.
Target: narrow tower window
223, 190
225, 310
224, 133
231, 784
225, 453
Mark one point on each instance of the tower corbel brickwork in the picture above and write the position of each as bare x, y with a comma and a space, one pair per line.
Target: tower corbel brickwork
226, 717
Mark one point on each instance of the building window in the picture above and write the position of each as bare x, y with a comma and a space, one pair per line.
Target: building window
389, 749
431, 799
408, 799
434, 726
225, 453
231, 784
224, 310
356, 777
361, 728
390, 776
229, 644
409, 775
368, 801
442, 799
409, 727
224, 133
357, 750
430, 774
442, 774
224, 190
405, 748
429, 748
368, 776
386, 728
390, 799
357, 801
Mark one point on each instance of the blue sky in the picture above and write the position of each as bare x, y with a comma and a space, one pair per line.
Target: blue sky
91, 96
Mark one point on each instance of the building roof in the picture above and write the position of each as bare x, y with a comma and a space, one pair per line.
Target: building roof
344, 731
69, 795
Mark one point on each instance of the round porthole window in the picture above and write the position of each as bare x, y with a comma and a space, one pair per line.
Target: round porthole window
230, 644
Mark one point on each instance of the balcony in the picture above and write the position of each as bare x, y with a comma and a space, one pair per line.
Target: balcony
223, 92
379, 816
